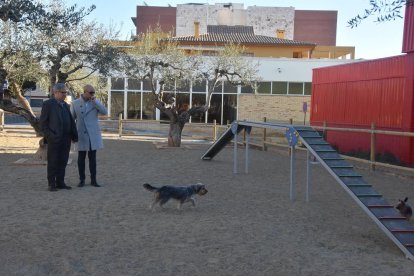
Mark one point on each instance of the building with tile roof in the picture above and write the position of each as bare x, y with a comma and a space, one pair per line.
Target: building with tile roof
287, 43
218, 36
311, 26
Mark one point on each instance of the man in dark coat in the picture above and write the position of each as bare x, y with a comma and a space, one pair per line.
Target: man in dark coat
59, 130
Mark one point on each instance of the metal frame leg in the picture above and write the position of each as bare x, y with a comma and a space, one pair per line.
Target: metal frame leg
292, 174
246, 161
308, 175
235, 154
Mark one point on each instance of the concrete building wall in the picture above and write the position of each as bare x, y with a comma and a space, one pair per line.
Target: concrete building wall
275, 108
267, 20
188, 14
289, 69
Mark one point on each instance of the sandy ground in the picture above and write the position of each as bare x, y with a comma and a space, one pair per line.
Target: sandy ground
245, 225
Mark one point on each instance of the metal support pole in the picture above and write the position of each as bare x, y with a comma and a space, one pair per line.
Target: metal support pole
214, 130
292, 173
246, 161
372, 153
308, 175
235, 154
120, 125
264, 147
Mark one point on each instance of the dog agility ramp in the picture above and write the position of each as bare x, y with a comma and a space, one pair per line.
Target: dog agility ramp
395, 226
221, 142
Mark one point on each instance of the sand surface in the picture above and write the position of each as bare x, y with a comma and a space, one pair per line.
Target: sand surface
245, 225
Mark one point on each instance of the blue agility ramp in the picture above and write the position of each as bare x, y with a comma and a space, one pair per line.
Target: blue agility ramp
395, 226
222, 141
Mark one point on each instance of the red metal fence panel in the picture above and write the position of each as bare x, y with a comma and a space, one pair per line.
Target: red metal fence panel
359, 94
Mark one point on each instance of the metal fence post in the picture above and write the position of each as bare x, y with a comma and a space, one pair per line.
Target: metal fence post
290, 148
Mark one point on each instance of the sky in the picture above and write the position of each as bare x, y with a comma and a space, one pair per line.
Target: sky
371, 39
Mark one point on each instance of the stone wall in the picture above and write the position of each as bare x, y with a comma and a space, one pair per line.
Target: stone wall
253, 107
265, 20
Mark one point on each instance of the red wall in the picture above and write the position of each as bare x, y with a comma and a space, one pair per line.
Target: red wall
358, 94
316, 26
150, 16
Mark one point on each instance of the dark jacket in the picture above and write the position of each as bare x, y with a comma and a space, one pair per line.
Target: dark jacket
51, 122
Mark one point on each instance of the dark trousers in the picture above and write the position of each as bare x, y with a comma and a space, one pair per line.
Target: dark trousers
57, 159
92, 164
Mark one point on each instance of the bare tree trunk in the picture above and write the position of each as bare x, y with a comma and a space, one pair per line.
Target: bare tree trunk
26, 112
41, 153
174, 134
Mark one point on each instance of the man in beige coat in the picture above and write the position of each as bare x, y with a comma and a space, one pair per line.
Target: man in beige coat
85, 111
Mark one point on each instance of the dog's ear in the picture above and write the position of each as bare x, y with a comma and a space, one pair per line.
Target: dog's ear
405, 200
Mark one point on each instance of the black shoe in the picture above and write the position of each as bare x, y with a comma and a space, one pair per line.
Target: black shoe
81, 183
52, 189
66, 187
95, 184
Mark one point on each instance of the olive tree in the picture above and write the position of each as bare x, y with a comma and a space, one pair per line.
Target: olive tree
163, 64
384, 10
17, 62
52, 42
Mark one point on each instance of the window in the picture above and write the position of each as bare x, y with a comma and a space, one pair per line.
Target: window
198, 100
182, 85
214, 112
279, 87
117, 103
229, 108
280, 34
134, 105
229, 88
248, 89
295, 88
134, 84
219, 87
297, 55
308, 88
264, 87
146, 85
148, 109
117, 83
199, 86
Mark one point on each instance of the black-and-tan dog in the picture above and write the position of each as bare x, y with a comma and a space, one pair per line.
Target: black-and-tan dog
182, 194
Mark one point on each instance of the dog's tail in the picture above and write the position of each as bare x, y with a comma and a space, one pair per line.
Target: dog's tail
149, 187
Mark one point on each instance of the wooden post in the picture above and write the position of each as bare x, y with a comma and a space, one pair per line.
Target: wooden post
324, 134
373, 140
214, 130
1, 120
120, 125
264, 136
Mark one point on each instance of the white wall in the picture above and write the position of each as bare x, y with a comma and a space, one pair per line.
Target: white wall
292, 69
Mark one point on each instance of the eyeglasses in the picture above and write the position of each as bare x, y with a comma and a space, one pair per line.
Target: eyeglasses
63, 92
91, 92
